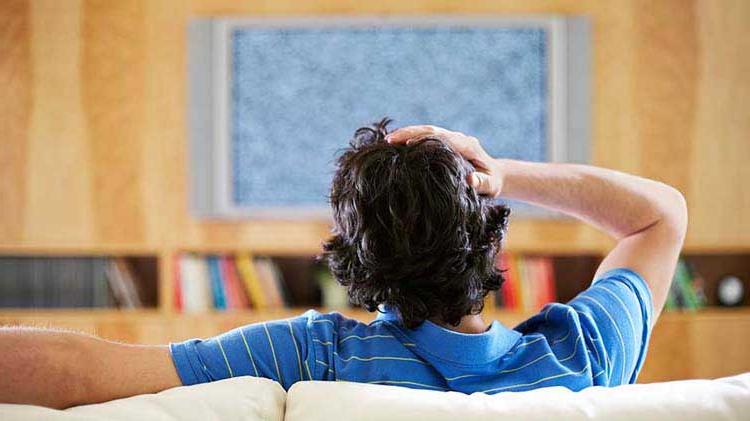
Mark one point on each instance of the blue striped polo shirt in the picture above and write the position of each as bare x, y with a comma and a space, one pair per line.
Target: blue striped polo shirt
598, 338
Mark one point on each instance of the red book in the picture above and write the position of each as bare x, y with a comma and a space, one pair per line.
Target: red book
545, 280
510, 290
177, 282
540, 280
235, 293
549, 271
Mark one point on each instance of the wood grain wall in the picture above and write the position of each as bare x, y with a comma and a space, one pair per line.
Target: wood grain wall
93, 139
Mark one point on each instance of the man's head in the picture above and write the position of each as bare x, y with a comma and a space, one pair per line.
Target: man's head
410, 232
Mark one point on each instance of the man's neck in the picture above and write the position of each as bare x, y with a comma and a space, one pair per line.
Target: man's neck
469, 324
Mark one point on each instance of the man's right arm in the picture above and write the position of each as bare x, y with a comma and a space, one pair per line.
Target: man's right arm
647, 218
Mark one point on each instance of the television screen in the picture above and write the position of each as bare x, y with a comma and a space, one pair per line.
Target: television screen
293, 93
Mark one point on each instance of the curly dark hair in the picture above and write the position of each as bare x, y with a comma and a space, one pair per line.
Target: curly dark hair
410, 232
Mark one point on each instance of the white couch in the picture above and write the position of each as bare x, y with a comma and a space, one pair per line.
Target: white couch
247, 398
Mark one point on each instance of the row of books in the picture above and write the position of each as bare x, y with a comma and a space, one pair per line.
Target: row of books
228, 282
688, 289
529, 283
67, 282
241, 281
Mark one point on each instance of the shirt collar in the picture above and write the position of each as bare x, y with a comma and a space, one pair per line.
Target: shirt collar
461, 348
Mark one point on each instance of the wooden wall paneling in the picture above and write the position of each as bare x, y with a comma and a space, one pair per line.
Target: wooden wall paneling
554, 236
614, 140
113, 74
719, 195
664, 89
670, 352
165, 135
269, 237
58, 184
121, 331
15, 114
720, 346
99, 155
698, 345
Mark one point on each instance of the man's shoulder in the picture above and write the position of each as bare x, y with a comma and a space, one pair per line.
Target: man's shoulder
332, 320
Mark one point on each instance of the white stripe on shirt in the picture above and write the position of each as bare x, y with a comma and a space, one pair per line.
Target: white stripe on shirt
273, 352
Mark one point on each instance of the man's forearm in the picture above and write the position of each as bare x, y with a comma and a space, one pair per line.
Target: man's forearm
37, 367
620, 204
61, 369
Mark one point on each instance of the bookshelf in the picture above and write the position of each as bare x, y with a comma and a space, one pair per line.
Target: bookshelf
691, 337
70, 279
155, 271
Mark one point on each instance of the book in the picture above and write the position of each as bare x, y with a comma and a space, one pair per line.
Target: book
523, 284
699, 286
122, 283
236, 295
269, 282
280, 284
55, 282
177, 292
529, 282
333, 294
102, 295
550, 289
510, 290
218, 292
196, 292
687, 289
249, 276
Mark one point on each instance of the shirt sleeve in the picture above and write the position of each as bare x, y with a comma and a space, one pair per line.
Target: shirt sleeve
615, 316
612, 320
277, 350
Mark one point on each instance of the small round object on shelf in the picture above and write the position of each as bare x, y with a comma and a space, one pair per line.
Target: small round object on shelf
731, 291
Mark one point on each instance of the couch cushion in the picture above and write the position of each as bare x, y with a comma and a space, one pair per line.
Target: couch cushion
241, 398
727, 398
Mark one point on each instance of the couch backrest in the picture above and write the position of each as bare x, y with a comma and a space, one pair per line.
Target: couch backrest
727, 398
248, 398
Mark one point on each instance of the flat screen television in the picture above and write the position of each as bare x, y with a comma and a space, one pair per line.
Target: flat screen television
272, 101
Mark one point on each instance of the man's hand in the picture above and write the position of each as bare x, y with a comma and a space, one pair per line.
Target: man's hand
487, 179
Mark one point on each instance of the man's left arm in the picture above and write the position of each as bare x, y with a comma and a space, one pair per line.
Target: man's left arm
60, 369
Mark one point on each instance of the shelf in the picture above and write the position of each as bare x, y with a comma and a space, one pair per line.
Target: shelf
79, 312
707, 313
72, 280
575, 248
136, 315
78, 250
254, 250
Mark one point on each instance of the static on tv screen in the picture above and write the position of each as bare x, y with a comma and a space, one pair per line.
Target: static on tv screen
297, 94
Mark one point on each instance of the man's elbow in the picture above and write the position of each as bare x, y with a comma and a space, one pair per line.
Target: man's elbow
675, 214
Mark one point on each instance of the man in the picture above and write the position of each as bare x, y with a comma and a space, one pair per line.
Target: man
416, 233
